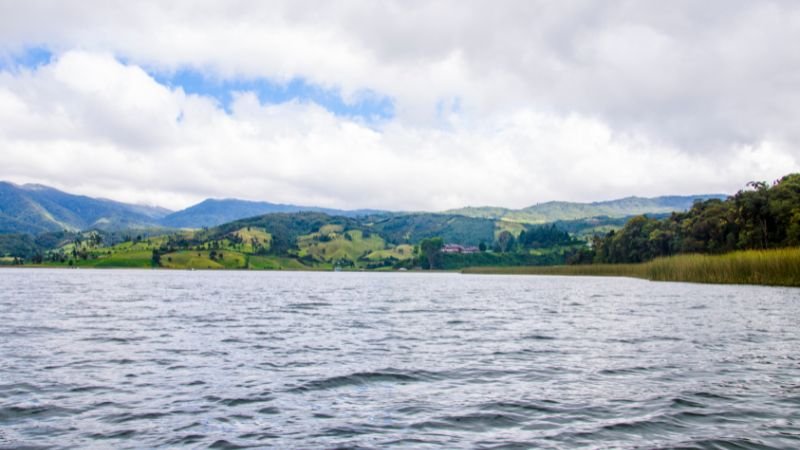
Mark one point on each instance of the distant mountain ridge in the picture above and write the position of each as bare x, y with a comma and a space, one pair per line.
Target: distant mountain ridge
34, 209
213, 212
557, 210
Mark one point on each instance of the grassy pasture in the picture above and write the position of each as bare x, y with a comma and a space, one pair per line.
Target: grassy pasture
340, 247
251, 235
275, 263
402, 251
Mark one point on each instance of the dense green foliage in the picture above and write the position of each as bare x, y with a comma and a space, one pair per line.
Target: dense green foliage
413, 228
759, 217
431, 253
20, 245
492, 259
544, 237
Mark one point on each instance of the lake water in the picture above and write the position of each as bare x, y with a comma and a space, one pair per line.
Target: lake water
143, 359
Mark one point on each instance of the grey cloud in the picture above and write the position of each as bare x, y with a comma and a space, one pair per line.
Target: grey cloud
637, 96
696, 74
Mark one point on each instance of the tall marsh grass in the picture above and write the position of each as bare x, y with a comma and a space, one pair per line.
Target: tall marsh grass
779, 267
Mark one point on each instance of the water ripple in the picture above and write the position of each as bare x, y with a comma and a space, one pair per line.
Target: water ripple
158, 359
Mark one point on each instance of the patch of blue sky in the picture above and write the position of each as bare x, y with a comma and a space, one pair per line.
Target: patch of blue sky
366, 105
28, 58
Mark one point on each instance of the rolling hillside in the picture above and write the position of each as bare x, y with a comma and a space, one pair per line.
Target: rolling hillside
34, 208
213, 212
556, 211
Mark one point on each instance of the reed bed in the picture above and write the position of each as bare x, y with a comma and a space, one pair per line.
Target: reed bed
778, 267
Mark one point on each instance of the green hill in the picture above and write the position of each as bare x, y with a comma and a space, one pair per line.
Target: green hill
35, 209
555, 211
412, 228
213, 212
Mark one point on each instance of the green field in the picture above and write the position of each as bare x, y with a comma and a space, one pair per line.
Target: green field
275, 263
253, 239
132, 259
192, 259
331, 244
401, 252
244, 248
304, 241
778, 267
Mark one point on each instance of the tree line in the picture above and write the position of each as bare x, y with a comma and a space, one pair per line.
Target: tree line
506, 250
760, 216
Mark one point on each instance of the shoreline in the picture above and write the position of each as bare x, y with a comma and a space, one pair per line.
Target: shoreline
775, 267
173, 269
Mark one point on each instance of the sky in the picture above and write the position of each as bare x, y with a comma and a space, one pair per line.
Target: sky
402, 105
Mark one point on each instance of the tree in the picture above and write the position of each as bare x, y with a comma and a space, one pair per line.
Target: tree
505, 241
543, 236
156, 258
431, 253
753, 210
784, 207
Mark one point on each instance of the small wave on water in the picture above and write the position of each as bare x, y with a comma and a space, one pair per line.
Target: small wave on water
316, 360
478, 422
363, 378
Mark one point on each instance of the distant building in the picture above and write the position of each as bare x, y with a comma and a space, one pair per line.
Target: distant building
455, 248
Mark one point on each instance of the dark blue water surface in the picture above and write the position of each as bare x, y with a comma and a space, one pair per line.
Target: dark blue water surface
144, 359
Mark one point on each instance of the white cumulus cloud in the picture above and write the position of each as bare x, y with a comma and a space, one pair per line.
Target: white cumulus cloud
506, 104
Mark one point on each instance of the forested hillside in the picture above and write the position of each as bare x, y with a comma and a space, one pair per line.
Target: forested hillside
761, 216
35, 209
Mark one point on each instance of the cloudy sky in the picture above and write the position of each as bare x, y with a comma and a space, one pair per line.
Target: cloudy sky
422, 105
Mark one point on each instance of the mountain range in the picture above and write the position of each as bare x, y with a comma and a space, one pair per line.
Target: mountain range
33, 208
556, 211
212, 212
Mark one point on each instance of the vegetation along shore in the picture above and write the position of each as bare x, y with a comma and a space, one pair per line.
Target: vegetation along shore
776, 267
750, 237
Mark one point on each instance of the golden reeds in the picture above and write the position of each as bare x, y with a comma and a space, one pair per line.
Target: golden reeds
778, 267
